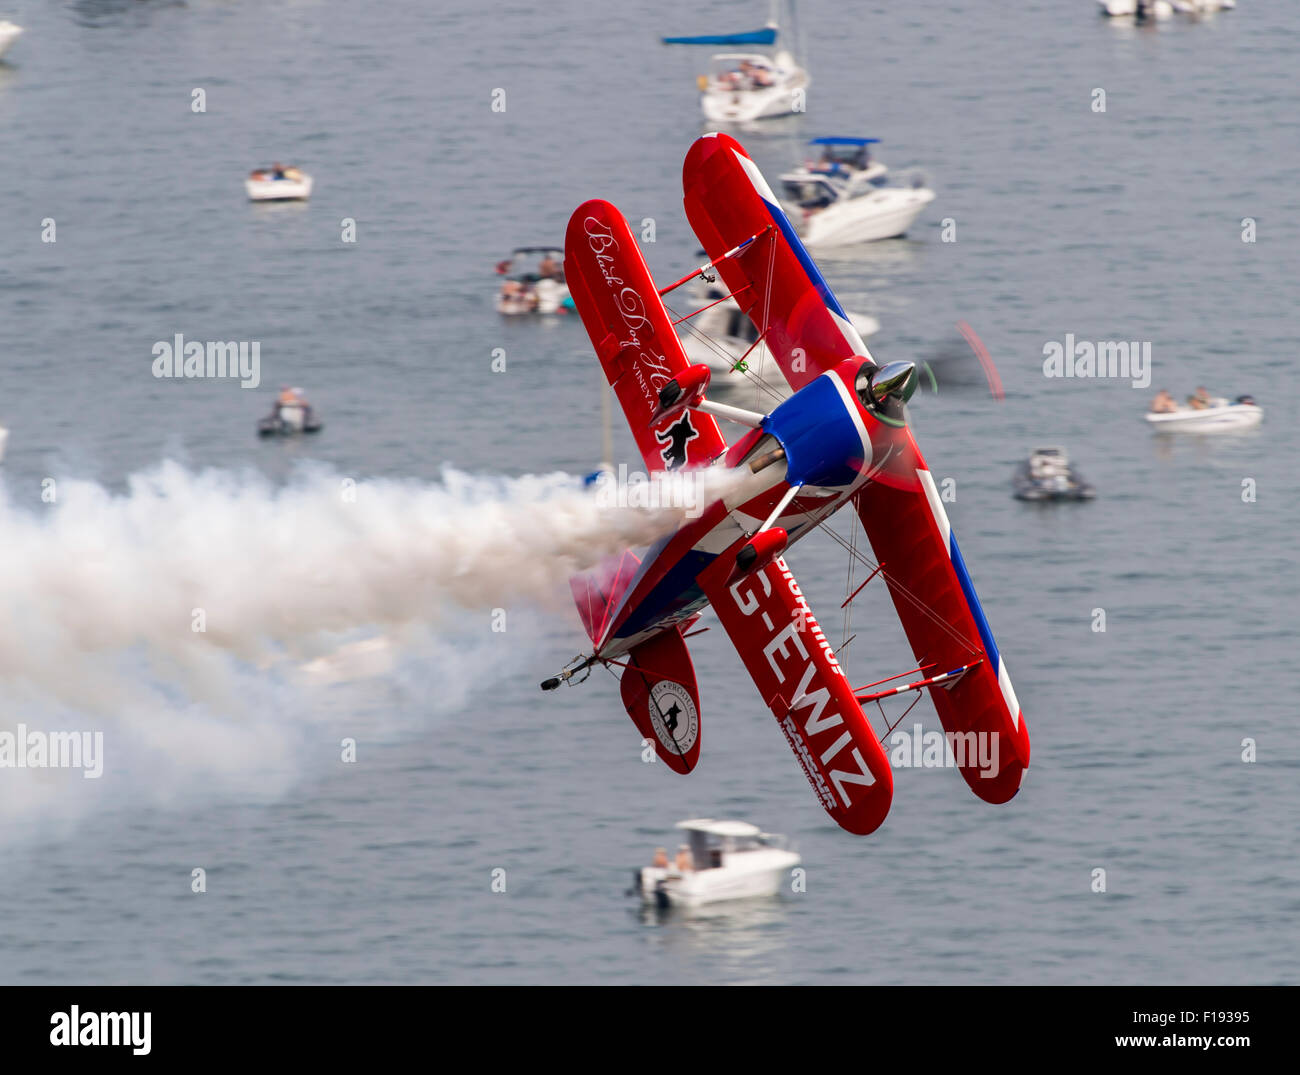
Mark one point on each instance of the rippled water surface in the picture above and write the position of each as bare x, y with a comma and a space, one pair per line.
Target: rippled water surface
1124, 225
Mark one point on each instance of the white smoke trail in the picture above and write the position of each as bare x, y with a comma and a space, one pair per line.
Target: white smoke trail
251, 564
102, 597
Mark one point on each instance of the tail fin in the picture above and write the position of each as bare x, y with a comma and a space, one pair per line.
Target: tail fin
597, 592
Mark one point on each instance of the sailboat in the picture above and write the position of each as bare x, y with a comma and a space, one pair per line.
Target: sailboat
747, 85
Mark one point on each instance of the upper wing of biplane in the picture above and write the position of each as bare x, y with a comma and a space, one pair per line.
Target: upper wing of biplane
772, 278
936, 602
633, 336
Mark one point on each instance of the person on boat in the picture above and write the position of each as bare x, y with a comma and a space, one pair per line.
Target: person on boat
548, 268
1200, 400
684, 862
277, 170
292, 397
660, 859
827, 163
1163, 403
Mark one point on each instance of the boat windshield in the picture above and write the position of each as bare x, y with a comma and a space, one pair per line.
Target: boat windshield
850, 158
810, 193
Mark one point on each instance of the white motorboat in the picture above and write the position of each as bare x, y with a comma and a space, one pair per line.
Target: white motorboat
278, 184
843, 198
1221, 416
725, 860
1149, 9
9, 33
721, 335
744, 86
538, 289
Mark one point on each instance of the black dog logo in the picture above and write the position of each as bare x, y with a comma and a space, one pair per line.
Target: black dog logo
674, 440
670, 719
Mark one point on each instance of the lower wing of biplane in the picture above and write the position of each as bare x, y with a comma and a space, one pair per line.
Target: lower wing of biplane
840, 438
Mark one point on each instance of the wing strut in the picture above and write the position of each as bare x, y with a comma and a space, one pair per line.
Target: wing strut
703, 271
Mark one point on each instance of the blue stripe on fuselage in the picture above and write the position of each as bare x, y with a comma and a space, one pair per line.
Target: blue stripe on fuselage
671, 594
973, 601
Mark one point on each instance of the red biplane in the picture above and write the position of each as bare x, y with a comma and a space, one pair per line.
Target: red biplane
839, 438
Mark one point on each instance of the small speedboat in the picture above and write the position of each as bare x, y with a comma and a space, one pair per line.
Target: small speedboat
1221, 416
725, 860
1048, 475
722, 335
290, 416
537, 289
844, 197
9, 33
278, 184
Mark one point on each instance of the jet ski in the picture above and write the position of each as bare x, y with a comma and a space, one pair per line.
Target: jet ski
1048, 475
289, 416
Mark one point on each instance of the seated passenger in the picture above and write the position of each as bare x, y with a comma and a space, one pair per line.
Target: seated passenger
1163, 403
684, 862
660, 859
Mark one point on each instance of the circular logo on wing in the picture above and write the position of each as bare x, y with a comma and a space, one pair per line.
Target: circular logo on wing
673, 716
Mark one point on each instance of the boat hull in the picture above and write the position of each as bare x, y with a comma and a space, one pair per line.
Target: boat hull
744, 106
278, 190
1160, 9
762, 876
884, 214
9, 33
1225, 419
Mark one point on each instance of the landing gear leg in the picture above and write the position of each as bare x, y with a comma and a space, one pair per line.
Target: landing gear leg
578, 664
